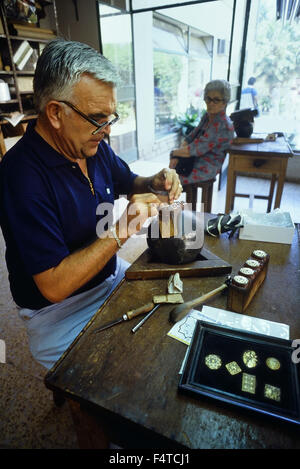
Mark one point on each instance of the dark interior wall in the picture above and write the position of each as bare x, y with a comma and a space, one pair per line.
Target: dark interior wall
85, 28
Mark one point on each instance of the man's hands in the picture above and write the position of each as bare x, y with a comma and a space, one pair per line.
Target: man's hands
139, 209
145, 205
167, 180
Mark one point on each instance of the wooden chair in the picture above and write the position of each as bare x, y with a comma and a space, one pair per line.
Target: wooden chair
191, 191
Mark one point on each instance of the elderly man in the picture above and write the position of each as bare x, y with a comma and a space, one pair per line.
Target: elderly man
51, 184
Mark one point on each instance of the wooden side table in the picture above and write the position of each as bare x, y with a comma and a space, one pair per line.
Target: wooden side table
265, 158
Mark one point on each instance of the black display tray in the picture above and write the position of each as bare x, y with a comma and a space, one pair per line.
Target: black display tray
199, 380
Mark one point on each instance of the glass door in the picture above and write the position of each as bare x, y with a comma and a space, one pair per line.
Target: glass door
116, 39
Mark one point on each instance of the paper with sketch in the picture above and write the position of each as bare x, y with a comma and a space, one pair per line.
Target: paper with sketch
183, 330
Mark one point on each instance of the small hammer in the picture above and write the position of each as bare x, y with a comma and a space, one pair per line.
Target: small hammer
177, 313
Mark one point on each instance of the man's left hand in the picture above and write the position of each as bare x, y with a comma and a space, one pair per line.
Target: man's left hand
168, 180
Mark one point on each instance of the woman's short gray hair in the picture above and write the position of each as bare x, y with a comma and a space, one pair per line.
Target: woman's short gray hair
61, 65
219, 85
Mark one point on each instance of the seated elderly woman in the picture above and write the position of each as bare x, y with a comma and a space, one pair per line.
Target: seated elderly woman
209, 141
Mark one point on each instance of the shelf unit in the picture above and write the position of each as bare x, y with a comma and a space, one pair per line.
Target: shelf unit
21, 101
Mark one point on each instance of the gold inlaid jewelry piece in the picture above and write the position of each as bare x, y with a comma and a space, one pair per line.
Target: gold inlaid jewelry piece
250, 358
252, 263
248, 383
213, 362
273, 363
233, 368
259, 253
272, 392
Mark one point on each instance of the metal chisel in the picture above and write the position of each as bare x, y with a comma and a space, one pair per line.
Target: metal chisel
127, 316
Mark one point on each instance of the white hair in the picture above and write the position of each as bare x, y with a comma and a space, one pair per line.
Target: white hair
60, 67
219, 85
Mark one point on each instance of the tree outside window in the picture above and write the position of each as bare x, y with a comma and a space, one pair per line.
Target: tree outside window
276, 67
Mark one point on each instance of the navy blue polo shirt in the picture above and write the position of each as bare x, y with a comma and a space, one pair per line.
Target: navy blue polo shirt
47, 209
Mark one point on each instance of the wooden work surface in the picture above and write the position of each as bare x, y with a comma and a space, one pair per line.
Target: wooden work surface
268, 149
266, 158
129, 381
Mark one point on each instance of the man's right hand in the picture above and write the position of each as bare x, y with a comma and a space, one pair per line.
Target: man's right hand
139, 209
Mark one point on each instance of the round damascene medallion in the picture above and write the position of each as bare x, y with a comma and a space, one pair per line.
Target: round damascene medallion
273, 363
252, 263
250, 358
240, 281
213, 362
247, 271
259, 254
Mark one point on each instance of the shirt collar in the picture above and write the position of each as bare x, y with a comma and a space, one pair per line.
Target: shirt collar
44, 151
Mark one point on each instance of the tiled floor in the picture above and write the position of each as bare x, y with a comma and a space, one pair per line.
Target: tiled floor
28, 416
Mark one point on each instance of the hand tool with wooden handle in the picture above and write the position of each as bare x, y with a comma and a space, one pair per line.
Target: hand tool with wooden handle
127, 316
135, 328
180, 311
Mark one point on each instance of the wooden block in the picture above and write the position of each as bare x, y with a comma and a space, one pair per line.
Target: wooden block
169, 298
207, 265
239, 298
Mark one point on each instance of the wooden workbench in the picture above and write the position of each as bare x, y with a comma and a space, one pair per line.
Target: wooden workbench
125, 386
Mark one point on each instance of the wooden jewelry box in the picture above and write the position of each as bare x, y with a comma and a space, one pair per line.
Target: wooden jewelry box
250, 277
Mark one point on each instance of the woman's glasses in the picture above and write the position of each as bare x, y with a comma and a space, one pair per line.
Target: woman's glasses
208, 100
111, 119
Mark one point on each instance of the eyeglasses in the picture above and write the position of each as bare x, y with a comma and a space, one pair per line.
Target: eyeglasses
208, 99
112, 119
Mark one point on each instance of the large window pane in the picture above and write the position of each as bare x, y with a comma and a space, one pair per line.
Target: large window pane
170, 73
273, 60
116, 39
170, 92
199, 68
182, 66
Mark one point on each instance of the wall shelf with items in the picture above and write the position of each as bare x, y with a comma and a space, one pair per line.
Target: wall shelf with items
19, 38
21, 43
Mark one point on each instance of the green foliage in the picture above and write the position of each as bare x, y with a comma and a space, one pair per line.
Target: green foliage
277, 60
121, 56
124, 110
168, 69
265, 102
189, 120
